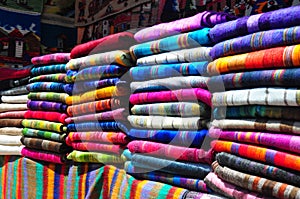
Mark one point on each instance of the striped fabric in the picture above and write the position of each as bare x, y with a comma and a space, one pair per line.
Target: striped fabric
46, 106
20, 90
96, 126
59, 77
12, 114
44, 125
43, 155
96, 147
51, 58
18, 99
94, 157
46, 86
48, 96
28, 132
12, 107
49, 116
50, 69
81, 87
15, 131
46, 145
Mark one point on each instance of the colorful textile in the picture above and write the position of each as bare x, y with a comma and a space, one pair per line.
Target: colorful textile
282, 18
49, 116
59, 77
28, 132
102, 137
44, 125
94, 157
50, 69
259, 96
46, 145
279, 57
11, 131
11, 122
170, 151
18, 99
142, 73
127, 155
51, 59
13, 114
10, 140
10, 150
48, 96
97, 147
120, 57
14, 73
46, 106
176, 42
20, 90
192, 94
12, 107
43, 155
180, 56
182, 138
12, 83
183, 109
46, 86
96, 126
164, 122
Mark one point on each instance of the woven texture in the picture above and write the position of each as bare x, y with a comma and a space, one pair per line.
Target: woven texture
11, 131
81, 87
51, 58
49, 69
94, 157
48, 96
10, 140
12, 114
46, 86
14, 73
12, 107
46, 145
96, 147
43, 155
59, 77
10, 150
20, 90
18, 99
12, 83
49, 116
46, 106
95, 126
44, 125
28, 132
11, 122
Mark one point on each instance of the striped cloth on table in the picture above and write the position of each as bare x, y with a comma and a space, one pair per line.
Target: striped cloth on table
12, 114
10, 140
10, 150
97, 147
44, 125
20, 90
59, 77
47, 156
96, 126
18, 99
51, 58
46, 106
12, 107
11, 131
48, 96
28, 132
11, 122
46, 86
46, 145
94, 157
49, 116
50, 69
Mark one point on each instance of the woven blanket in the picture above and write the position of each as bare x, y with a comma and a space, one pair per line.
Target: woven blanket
49, 116
198, 54
267, 187
269, 156
184, 169
10, 150
198, 21
20, 90
276, 58
11, 131
170, 151
51, 59
164, 122
10, 140
260, 96
46, 86
96, 126
12, 107
14, 73
282, 18
126, 155
182, 138
12, 83
49, 69
97, 147
48, 96
18, 99
44, 125
58, 77
143, 73
46, 106
11, 122
170, 83
122, 40
120, 57
101, 137
94, 157
186, 40
28, 132
289, 127
192, 94
259, 169
183, 109
12, 114
46, 145
43, 155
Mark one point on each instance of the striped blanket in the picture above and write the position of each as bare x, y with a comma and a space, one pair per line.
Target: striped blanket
94, 157
58, 77
48, 96
49, 69
46, 106
44, 125
46, 145
51, 59
49, 135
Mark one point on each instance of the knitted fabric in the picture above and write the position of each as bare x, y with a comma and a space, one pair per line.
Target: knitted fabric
59, 77
12, 107
11, 131
95, 126
11, 122
18, 99
50, 69
43, 155
46, 145
176, 42
46, 106
13, 114
97, 147
10, 150
14, 73
280, 57
28, 132
10, 140
49, 116
51, 58
94, 157
46, 86
44, 125
20, 90
48, 96
12, 83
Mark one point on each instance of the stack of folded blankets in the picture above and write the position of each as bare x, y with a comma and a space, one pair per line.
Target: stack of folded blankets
256, 98
170, 105
45, 126
97, 119
13, 96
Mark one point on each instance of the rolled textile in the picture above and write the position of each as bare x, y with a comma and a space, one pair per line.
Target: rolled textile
15, 131
180, 95
126, 154
185, 169
46, 106
46, 86
257, 41
269, 156
11, 150
70, 76
171, 43
267, 187
12, 107
94, 157
15, 73
228, 190
273, 58
286, 126
12, 83
259, 96
198, 54
44, 115
43, 155
12, 114
182, 138
48, 96
43, 134
183, 109
142, 73
20, 90
95, 126
101, 137
119, 57
46, 145
164, 122
49, 69
97, 147
44, 125
282, 18
18, 99
259, 169
58, 77
51, 58
10, 140
170, 151
11, 122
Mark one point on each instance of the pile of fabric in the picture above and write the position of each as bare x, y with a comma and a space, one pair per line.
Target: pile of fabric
45, 126
97, 113
255, 80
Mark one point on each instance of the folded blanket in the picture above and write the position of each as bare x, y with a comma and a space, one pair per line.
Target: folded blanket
58, 77
51, 59
18, 99
267, 187
12, 83
43, 155
198, 54
94, 157
184, 169
120, 57
182, 138
20, 90
183, 109
282, 18
279, 57
44, 125
259, 96
269, 156
163, 122
12, 114
11, 122
46, 106
12, 107
48, 96
170, 83
15, 73
50, 69
10, 140
28, 132
101, 137
46, 86
142, 73
15, 131
170, 151
259, 169
127, 155
176, 42
10, 150
46, 145
192, 94
97, 147
49, 116
96, 126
